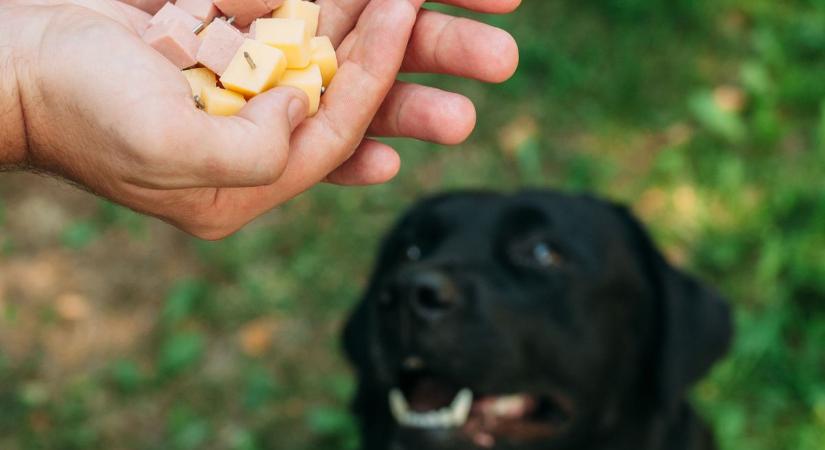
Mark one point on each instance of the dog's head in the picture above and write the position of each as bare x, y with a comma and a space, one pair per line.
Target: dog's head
534, 320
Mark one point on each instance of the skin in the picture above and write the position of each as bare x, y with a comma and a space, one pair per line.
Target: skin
90, 102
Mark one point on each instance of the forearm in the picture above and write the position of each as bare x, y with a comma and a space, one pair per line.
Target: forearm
13, 142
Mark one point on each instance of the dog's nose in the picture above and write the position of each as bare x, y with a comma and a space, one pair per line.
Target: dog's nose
432, 294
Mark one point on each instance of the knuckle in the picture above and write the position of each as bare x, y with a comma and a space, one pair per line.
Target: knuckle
272, 163
212, 167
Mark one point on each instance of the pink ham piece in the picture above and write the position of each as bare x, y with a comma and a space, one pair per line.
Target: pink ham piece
219, 43
244, 11
203, 10
172, 13
175, 41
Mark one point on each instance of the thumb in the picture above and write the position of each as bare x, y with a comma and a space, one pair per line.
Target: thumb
267, 109
248, 149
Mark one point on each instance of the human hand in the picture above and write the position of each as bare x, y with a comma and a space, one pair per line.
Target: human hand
157, 154
440, 43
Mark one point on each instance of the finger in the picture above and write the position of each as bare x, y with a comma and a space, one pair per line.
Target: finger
338, 17
363, 80
484, 6
462, 47
120, 12
372, 163
190, 148
425, 113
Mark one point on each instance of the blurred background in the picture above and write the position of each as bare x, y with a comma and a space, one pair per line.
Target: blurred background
707, 116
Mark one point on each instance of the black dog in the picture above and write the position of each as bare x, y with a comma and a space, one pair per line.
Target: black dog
530, 321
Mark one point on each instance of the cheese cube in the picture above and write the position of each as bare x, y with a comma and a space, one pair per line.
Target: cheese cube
200, 78
244, 11
299, 9
323, 55
308, 80
219, 43
172, 13
175, 41
288, 35
255, 68
203, 10
221, 102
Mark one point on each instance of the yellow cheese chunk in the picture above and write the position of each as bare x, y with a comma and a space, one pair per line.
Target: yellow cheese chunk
220, 101
255, 68
323, 55
287, 35
200, 78
299, 9
308, 80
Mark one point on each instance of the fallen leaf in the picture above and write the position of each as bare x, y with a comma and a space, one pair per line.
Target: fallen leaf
256, 336
729, 98
72, 307
513, 135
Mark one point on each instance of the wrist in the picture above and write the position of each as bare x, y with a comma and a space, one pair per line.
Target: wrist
13, 140
24, 24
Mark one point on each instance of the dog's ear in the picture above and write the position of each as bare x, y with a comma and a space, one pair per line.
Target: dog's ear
357, 345
694, 321
697, 331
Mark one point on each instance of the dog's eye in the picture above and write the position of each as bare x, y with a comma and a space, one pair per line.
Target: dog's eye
413, 253
545, 256
537, 253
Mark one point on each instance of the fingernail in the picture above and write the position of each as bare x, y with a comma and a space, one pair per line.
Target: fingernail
297, 112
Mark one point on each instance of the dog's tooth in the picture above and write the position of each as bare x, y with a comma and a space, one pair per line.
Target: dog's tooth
445, 418
432, 420
451, 416
436, 419
461, 406
399, 407
429, 420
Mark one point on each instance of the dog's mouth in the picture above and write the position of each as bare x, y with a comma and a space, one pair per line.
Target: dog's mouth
426, 401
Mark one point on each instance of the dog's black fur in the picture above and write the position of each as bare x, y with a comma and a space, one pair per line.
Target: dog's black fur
544, 293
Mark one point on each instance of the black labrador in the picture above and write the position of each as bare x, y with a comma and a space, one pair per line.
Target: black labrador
538, 320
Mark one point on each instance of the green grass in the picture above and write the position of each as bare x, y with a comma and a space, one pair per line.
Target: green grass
617, 97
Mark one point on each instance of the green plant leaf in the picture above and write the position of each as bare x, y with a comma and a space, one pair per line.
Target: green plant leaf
180, 352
